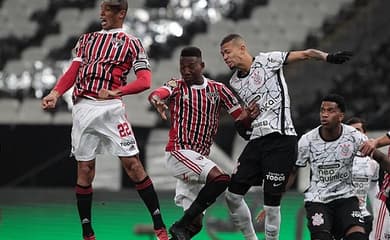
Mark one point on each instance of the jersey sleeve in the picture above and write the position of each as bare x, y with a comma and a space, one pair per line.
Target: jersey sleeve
229, 101
374, 165
273, 60
303, 151
77, 51
171, 85
140, 58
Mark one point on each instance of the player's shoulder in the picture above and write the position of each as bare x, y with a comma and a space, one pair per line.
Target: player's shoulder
214, 82
313, 133
353, 131
174, 82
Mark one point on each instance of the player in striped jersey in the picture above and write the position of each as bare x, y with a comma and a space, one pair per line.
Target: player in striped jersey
365, 175
271, 152
382, 223
195, 103
98, 73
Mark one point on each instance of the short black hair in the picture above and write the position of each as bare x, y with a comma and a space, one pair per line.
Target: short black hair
338, 99
230, 37
191, 51
354, 120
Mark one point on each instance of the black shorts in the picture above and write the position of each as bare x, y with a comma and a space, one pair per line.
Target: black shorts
267, 160
335, 217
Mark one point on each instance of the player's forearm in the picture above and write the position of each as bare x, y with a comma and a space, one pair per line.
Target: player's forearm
160, 93
140, 84
382, 159
382, 141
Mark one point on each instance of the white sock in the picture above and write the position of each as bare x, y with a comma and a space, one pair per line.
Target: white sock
241, 215
272, 222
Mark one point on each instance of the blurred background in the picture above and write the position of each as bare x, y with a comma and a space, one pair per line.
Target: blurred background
37, 175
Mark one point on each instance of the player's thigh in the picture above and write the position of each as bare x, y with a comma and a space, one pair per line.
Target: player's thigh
117, 133
348, 212
278, 161
248, 171
319, 218
186, 193
189, 166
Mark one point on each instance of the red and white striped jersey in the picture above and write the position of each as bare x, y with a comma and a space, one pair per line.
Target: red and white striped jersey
106, 58
195, 113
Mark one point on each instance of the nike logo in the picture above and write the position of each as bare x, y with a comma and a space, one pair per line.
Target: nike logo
277, 184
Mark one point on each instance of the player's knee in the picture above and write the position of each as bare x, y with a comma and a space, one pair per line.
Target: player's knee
272, 199
233, 200
222, 180
321, 235
356, 236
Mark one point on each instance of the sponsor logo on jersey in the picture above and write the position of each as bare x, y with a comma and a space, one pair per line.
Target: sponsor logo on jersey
331, 173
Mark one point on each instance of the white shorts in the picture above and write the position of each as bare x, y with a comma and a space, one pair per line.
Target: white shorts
101, 126
191, 170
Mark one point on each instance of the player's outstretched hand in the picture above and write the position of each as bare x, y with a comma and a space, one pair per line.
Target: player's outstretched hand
160, 106
339, 57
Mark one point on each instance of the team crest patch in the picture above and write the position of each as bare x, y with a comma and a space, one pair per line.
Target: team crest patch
172, 83
345, 150
117, 42
212, 96
317, 219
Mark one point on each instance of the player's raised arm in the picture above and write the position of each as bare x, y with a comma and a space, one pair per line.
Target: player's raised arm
315, 54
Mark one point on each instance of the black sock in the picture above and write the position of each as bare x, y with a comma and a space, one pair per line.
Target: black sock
84, 205
148, 195
207, 196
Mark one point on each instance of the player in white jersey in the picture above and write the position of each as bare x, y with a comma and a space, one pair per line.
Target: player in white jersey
365, 175
271, 151
382, 223
332, 208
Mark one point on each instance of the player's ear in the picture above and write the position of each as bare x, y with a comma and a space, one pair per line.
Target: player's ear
341, 116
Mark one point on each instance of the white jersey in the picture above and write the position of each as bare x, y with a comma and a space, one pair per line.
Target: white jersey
330, 163
266, 85
365, 171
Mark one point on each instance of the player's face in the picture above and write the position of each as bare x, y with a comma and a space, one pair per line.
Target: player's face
330, 115
191, 69
231, 53
358, 126
111, 17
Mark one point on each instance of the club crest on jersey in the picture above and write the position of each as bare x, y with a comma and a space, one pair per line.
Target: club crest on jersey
117, 42
212, 96
345, 150
317, 219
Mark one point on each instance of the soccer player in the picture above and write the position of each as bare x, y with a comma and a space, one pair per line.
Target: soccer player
365, 175
332, 208
195, 104
98, 73
271, 152
382, 224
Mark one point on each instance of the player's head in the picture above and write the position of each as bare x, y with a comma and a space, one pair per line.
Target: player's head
113, 13
357, 123
332, 110
233, 50
191, 65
